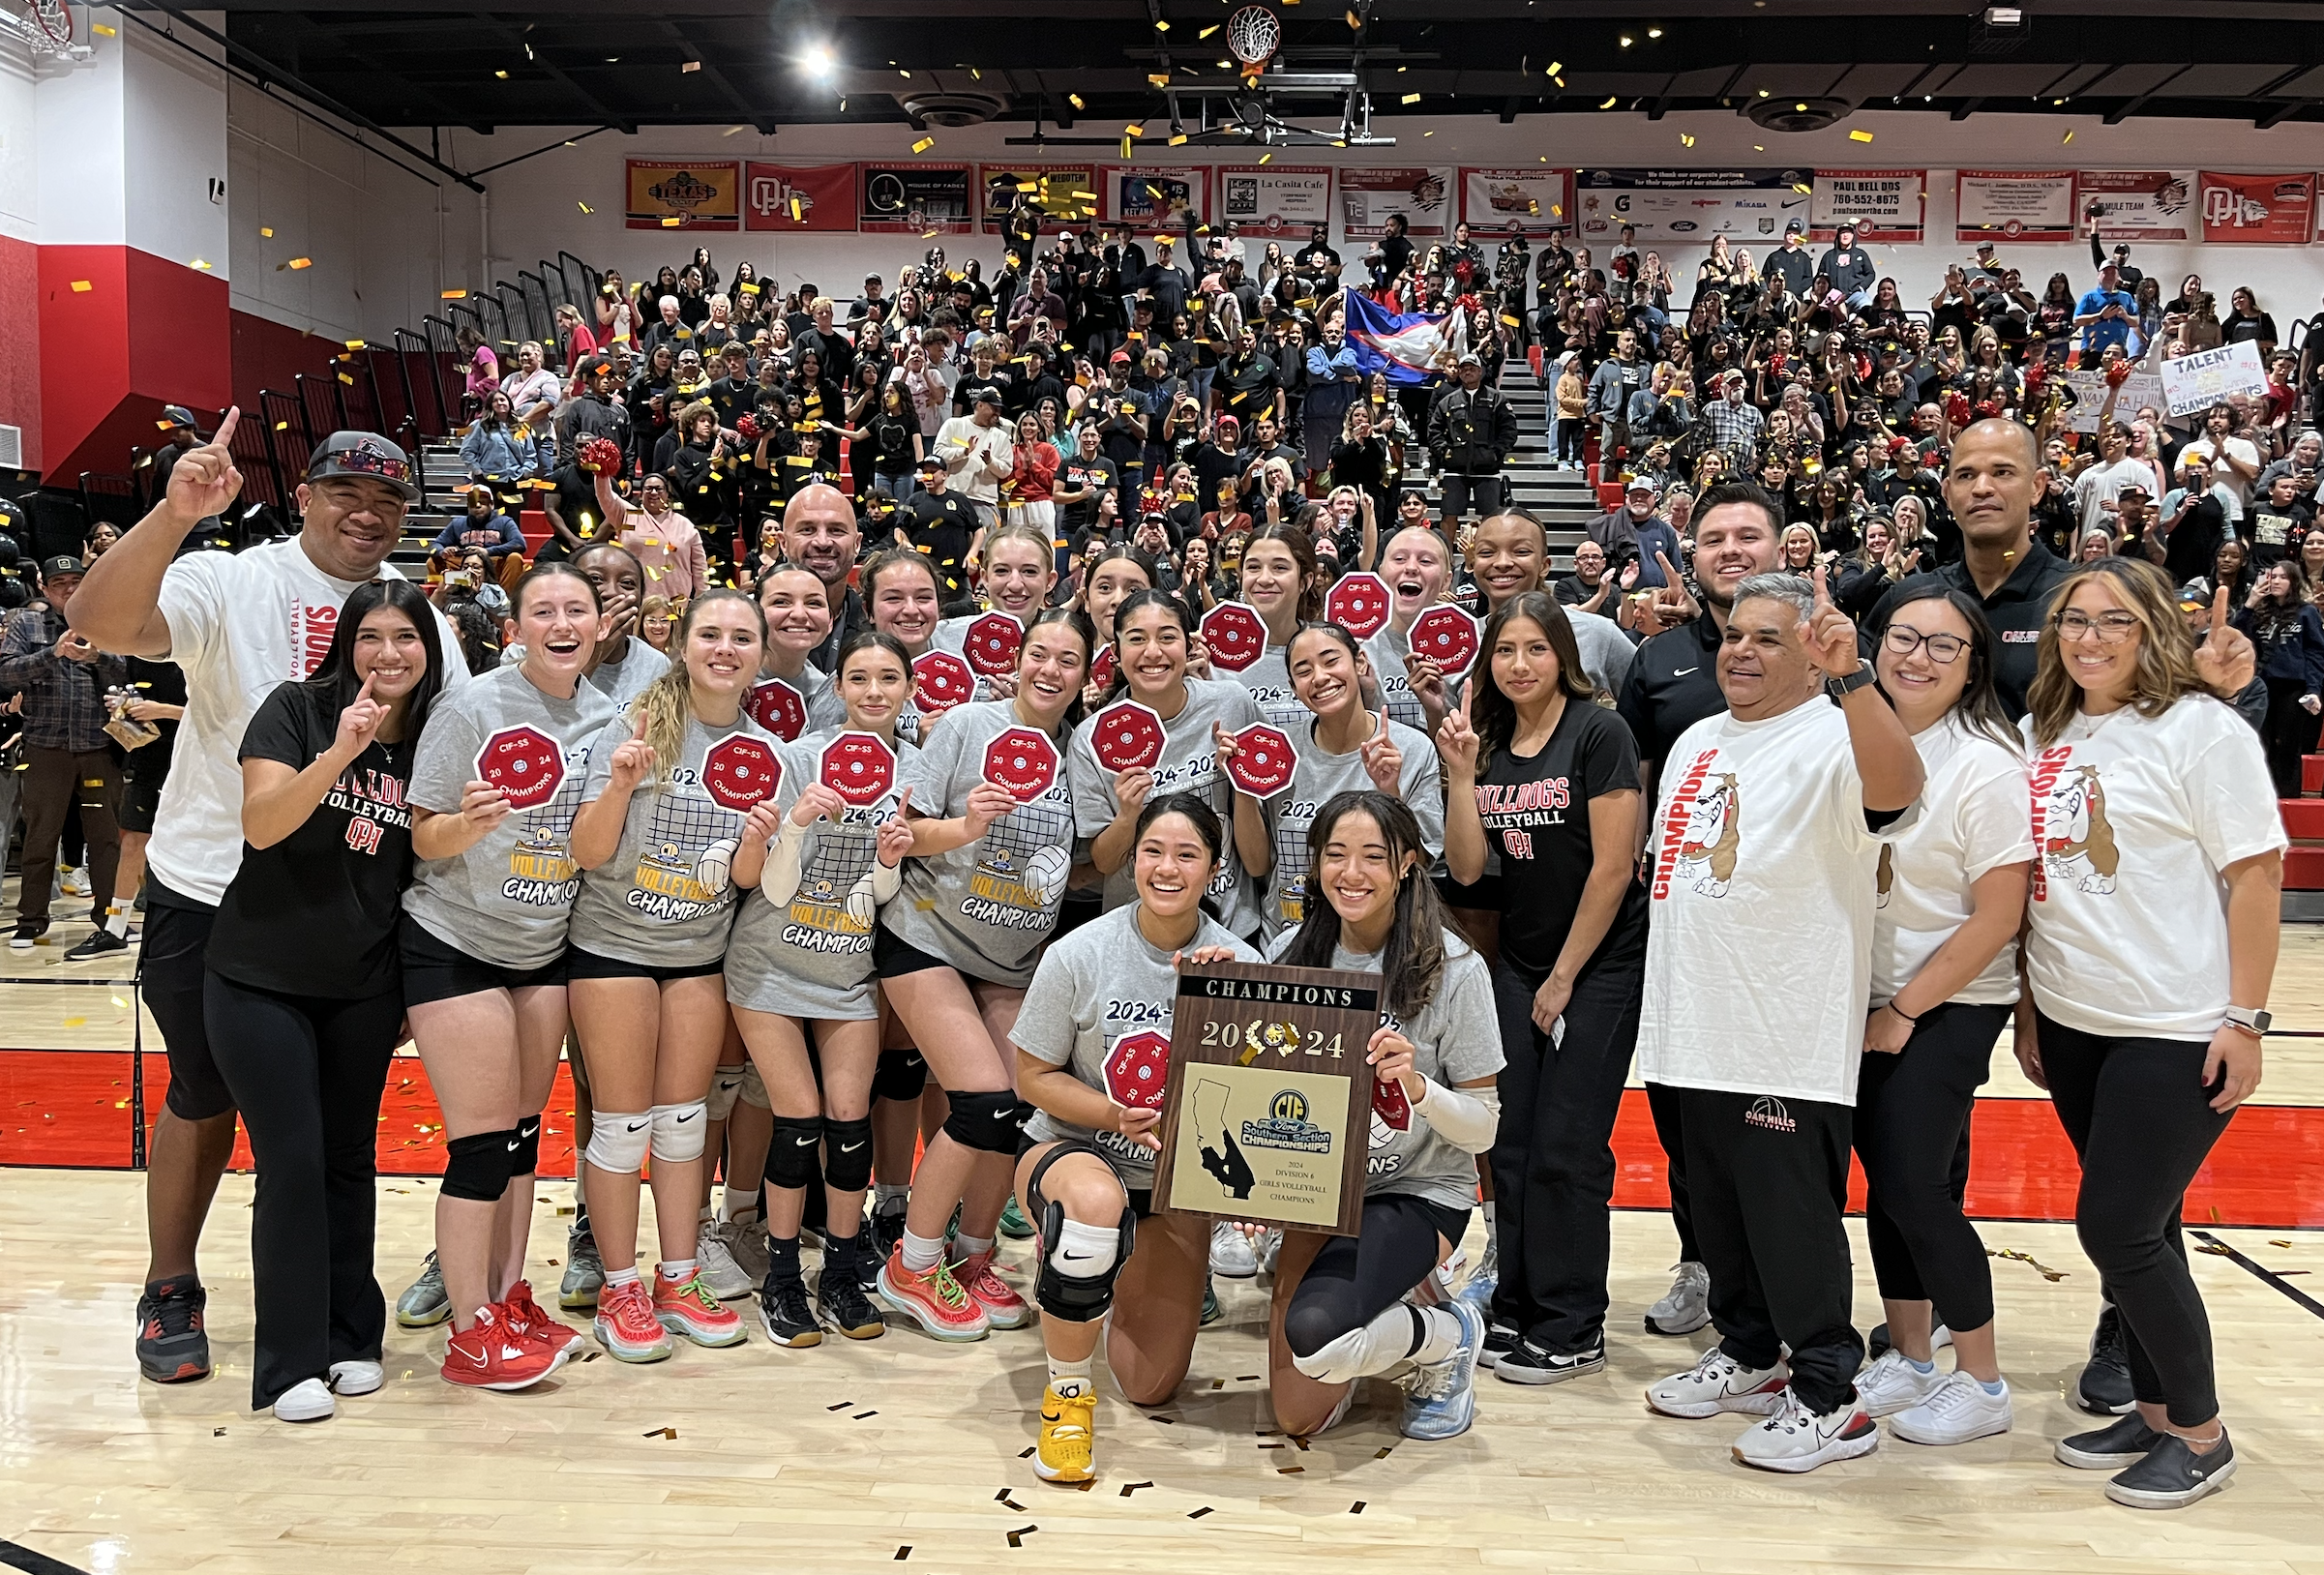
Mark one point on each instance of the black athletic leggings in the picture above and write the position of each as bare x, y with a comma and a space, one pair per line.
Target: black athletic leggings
1911, 1111
307, 1072
2140, 1119
1355, 1279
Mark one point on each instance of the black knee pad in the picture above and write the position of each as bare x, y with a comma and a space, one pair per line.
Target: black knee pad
848, 1154
1079, 1300
899, 1075
526, 1157
792, 1158
987, 1120
478, 1168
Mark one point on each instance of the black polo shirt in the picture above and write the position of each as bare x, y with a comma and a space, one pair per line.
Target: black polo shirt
2015, 610
1673, 685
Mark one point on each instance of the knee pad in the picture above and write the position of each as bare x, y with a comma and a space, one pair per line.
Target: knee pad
986, 1120
791, 1161
725, 1083
1362, 1351
526, 1157
678, 1130
847, 1157
899, 1075
619, 1140
478, 1166
1080, 1298
753, 1089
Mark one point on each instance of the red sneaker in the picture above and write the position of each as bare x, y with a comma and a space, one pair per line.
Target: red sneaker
527, 1321
627, 1327
690, 1308
1004, 1309
491, 1356
933, 1299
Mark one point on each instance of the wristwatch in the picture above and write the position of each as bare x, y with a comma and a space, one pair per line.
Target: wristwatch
2251, 1020
1842, 688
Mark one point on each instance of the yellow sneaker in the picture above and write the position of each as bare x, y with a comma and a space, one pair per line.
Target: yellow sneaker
1068, 1437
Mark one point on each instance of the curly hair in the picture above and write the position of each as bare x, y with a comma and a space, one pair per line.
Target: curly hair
2166, 668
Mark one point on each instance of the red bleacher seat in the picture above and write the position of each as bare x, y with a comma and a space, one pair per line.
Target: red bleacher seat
2303, 869
2312, 774
1609, 496
535, 526
2302, 818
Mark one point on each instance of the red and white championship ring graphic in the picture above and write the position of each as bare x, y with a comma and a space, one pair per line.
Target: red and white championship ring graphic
942, 681
1263, 758
993, 643
740, 773
778, 708
1136, 1070
1023, 760
858, 766
1447, 636
1101, 667
524, 763
1389, 1104
1236, 634
1359, 604
1127, 737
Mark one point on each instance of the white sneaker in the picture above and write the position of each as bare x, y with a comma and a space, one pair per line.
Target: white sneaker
1688, 1306
1719, 1383
356, 1377
306, 1401
1271, 1248
1231, 1253
74, 882
1795, 1438
1955, 1412
724, 1276
1892, 1385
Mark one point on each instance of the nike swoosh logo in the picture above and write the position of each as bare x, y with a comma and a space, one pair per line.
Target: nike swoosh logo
806, 1143
511, 1148
688, 1116
640, 1126
1681, 672
849, 1147
1079, 1257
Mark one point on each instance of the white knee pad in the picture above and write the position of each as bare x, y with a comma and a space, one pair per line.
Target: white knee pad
1377, 1347
724, 1084
678, 1130
618, 1141
753, 1089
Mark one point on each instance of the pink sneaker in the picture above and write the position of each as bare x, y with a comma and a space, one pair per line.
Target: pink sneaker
690, 1308
1004, 1309
626, 1325
933, 1299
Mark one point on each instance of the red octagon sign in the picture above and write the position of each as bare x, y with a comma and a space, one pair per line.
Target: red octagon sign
940, 682
1126, 736
1101, 668
993, 643
1236, 634
1263, 758
1359, 604
1136, 1070
778, 708
525, 763
858, 766
1447, 636
740, 773
1389, 1104
1023, 760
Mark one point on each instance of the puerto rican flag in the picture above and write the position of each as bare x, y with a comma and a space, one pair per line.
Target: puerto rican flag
1409, 347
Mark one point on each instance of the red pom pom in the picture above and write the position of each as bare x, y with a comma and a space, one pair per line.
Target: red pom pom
599, 456
2118, 373
748, 428
1956, 409
2036, 376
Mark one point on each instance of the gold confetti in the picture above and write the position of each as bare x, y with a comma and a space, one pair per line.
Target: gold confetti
732, 129
503, 75
584, 206
124, 1005
199, 264
82, 287
1205, 31
2070, 136
672, 222
1609, 103
1179, 139
1410, 97
76, 1021
689, 66
297, 263
105, 30
1265, 158
265, 233
924, 144
1556, 65
449, 295
1686, 140
1159, 78
1860, 136
1075, 99
1133, 131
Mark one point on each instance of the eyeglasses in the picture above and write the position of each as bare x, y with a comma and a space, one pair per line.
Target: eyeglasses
2111, 628
1901, 640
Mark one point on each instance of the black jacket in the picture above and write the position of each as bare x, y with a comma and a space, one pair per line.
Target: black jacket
1470, 433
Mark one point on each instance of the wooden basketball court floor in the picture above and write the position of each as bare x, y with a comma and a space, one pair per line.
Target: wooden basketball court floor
848, 1455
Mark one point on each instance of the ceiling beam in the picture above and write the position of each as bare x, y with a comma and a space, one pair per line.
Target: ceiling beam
2130, 106
598, 107
2281, 112
1967, 107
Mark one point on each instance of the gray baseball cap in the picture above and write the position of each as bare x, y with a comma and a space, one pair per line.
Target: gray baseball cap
364, 454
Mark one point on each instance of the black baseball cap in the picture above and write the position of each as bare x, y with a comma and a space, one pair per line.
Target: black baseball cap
363, 453
176, 415
930, 463
985, 395
64, 563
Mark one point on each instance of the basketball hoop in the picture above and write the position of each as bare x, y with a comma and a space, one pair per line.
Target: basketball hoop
48, 27
1252, 36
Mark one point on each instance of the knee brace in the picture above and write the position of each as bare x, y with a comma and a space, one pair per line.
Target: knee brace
526, 1157
791, 1161
617, 1141
478, 1167
899, 1075
725, 1083
986, 1120
1087, 1296
753, 1089
848, 1156
1362, 1351
677, 1134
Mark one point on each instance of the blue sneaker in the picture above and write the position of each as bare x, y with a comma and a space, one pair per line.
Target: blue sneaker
1477, 1290
1440, 1401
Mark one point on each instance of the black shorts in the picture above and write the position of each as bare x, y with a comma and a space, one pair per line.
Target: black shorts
1141, 1198
892, 957
588, 964
171, 972
435, 971
140, 801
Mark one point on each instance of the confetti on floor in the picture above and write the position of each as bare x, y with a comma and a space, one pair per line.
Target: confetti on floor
1017, 1537
1356, 1508
661, 1433
1128, 1488
1197, 1514
903, 1553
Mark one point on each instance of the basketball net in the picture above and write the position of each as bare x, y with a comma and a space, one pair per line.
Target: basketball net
46, 27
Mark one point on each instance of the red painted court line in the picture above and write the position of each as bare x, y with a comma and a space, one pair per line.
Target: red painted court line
69, 1107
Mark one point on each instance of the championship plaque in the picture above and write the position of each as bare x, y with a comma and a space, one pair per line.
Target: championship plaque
1268, 1112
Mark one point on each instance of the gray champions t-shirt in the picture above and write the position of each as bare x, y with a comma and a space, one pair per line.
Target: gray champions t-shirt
1268, 679
1456, 1039
1189, 764
987, 906
1097, 987
648, 904
1314, 781
507, 898
807, 952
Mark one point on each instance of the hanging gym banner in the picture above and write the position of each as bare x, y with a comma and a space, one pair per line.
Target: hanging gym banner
1369, 197
1887, 205
1750, 205
668, 194
2137, 204
1063, 195
2008, 205
1273, 199
1535, 200
801, 199
1157, 199
2257, 210
914, 198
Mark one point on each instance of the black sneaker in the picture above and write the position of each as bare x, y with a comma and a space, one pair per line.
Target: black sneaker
882, 1233
2125, 1442
1530, 1363
171, 1345
28, 934
1500, 1341
840, 1297
2172, 1475
101, 943
785, 1316
2105, 1386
